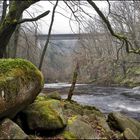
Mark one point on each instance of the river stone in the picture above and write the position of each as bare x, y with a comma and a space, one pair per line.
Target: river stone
78, 129
129, 135
121, 122
54, 95
20, 83
10, 130
45, 115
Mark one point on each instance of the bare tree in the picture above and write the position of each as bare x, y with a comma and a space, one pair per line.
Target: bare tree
74, 79
12, 19
49, 33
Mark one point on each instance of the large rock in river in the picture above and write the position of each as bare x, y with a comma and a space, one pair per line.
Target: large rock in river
20, 83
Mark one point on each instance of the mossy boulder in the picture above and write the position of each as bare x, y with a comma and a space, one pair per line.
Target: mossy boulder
76, 109
10, 130
121, 123
78, 129
54, 95
72, 108
20, 83
41, 98
85, 122
45, 115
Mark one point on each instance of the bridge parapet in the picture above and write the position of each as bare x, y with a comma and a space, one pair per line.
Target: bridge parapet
64, 36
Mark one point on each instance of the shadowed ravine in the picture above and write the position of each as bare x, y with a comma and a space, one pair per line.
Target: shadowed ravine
107, 99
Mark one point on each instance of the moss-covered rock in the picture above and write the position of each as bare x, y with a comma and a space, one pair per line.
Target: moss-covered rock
78, 129
92, 121
75, 108
10, 130
45, 115
121, 122
54, 95
41, 98
20, 83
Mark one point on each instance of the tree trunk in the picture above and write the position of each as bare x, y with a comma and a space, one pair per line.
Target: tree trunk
48, 39
75, 74
13, 43
9, 24
4, 9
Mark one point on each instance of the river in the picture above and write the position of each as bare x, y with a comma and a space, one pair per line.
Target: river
107, 99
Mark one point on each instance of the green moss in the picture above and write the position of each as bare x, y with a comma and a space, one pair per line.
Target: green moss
10, 67
118, 79
47, 114
15, 73
41, 98
133, 71
81, 109
132, 77
8, 64
127, 82
54, 95
72, 119
68, 135
46, 108
90, 107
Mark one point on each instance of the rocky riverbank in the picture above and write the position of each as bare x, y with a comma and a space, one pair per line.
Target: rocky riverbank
26, 115
50, 117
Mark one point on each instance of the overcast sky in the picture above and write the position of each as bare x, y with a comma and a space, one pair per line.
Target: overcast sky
61, 23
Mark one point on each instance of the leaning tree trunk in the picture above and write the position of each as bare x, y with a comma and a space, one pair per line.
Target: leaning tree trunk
9, 24
74, 79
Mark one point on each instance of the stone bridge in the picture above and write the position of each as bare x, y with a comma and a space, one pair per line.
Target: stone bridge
62, 36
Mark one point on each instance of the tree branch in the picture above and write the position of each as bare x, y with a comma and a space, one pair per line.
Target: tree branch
128, 45
34, 19
109, 7
49, 33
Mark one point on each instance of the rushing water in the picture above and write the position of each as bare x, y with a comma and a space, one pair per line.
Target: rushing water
107, 99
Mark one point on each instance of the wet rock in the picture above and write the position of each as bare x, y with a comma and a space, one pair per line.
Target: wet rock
121, 122
10, 130
20, 83
45, 115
